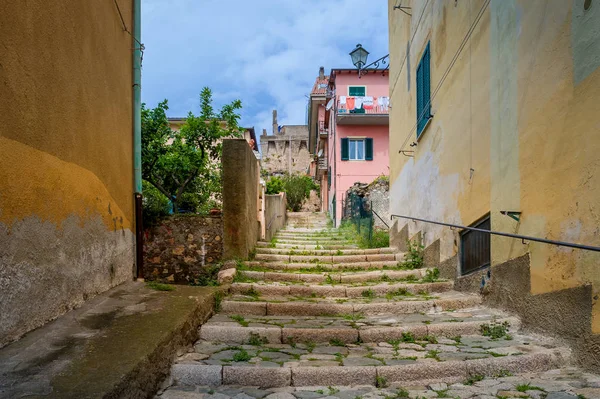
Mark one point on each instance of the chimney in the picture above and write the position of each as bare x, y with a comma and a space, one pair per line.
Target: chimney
321, 73
275, 129
264, 133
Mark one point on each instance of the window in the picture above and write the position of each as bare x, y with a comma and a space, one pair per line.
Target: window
359, 91
475, 247
423, 91
357, 149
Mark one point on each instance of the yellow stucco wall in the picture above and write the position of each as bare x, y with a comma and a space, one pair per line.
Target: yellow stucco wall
66, 165
517, 108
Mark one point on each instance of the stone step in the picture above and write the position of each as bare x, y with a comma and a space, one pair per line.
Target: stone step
262, 244
308, 364
318, 237
314, 242
355, 277
340, 291
386, 257
332, 252
566, 382
357, 266
350, 329
300, 306
308, 234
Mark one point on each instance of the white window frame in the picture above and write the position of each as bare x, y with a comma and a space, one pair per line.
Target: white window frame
354, 157
349, 86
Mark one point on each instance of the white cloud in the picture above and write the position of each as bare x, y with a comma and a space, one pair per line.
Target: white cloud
265, 52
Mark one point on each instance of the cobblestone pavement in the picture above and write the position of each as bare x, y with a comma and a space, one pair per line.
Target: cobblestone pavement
566, 383
314, 316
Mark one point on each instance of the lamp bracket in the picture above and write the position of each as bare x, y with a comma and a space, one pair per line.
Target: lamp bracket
515, 215
403, 8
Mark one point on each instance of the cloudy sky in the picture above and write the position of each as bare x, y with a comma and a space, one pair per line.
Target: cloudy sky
267, 53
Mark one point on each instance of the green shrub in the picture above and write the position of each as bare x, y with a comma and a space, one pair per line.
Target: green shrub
413, 259
154, 205
274, 185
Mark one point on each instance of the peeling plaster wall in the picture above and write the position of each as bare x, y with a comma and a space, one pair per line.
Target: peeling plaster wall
66, 170
513, 129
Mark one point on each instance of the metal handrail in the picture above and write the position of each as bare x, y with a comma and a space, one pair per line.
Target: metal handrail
272, 220
383, 221
498, 233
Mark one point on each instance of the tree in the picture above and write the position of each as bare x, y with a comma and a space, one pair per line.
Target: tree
174, 162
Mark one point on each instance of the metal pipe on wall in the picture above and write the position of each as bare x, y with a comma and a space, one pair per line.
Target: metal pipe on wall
137, 133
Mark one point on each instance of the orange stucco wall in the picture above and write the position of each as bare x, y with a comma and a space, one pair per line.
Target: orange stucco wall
66, 170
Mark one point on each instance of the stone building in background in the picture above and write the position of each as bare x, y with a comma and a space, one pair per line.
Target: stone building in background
285, 150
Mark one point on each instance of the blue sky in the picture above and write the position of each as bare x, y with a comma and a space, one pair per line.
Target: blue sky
267, 53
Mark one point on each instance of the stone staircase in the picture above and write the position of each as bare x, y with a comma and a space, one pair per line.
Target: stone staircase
313, 315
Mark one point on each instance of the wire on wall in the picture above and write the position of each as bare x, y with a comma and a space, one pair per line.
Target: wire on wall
448, 69
126, 29
409, 46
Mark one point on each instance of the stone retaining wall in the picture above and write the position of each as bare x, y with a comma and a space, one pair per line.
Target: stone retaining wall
183, 248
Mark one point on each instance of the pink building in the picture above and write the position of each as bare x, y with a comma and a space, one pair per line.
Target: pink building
348, 122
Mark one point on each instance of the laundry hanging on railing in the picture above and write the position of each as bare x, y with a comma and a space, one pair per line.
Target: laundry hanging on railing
363, 104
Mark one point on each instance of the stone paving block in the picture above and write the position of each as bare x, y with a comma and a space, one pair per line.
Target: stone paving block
317, 278
515, 364
245, 308
239, 334
319, 290
330, 376
423, 371
384, 334
272, 257
381, 258
196, 374
310, 258
251, 274
399, 307
346, 335
307, 309
458, 303
272, 290
274, 276
350, 259
257, 376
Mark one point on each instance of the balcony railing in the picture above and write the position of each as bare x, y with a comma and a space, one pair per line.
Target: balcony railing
323, 132
363, 105
323, 163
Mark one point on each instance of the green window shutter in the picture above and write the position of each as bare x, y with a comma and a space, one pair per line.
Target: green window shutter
357, 91
329, 177
423, 91
345, 149
427, 83
369, 149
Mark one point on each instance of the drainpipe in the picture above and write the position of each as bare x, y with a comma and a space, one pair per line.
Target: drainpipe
137, 134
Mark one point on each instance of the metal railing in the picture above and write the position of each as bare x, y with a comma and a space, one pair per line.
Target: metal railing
523, 238
323, 163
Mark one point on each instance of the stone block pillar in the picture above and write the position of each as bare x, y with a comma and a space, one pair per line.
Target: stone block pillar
241, 173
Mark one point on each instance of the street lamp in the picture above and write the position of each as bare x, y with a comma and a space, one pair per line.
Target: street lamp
359, 56
359, 59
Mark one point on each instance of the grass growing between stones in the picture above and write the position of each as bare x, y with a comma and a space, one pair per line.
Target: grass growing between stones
495, 330
241, 356
160, 286
381, 382
473, 379
433, 354
256, 340
240, 319
400, 393
527, 387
